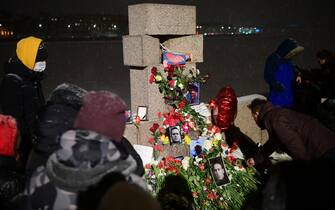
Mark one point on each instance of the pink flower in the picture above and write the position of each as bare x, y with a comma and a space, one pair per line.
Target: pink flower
158, 148
151, 140
211, 195
172, 83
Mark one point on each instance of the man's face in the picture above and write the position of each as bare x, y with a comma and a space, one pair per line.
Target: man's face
218, 171
194, 94
255, 116
322, 61
175, 135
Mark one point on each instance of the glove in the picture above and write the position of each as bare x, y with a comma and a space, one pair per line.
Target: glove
278, 87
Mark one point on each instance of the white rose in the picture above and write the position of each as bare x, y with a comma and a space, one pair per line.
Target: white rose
208, 145
218, 136
186, 162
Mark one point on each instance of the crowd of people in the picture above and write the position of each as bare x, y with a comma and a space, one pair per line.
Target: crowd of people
68, 151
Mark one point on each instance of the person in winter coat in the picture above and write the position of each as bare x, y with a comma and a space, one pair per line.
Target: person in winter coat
104, 113
279, 73
12, 177
84, 158
327, 73
56, 117
300, 136
21, 93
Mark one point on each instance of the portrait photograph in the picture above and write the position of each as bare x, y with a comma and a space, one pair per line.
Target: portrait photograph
197, 146
218, 171
142, 112
174, 135
193, 94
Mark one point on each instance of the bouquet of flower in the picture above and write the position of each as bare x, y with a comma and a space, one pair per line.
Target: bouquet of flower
197, 171
174, 82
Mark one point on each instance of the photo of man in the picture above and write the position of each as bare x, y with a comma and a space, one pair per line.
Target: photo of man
218, 170
193, 95
174, 135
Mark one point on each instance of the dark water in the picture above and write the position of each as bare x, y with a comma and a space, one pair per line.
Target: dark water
229, 60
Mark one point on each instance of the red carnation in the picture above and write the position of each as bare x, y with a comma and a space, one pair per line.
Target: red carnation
154, 70
154, 127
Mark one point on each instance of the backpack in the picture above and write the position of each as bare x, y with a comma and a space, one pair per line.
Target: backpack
8, 135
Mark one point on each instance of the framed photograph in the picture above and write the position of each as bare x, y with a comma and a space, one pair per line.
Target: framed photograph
174, 135
129, 116
179, 158
193, 94
142, 112
197, 146
218, 171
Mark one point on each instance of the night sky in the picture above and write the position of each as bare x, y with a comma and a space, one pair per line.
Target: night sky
282, 13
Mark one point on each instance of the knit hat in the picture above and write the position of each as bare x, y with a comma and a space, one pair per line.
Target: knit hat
68, 94
104, 113
8, 135
26, 51
84, 158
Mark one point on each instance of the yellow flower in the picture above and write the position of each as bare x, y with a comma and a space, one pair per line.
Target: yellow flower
187, 139
216, 142
164, 139
158, 78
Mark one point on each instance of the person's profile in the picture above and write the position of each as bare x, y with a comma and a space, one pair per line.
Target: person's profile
193, 95
174, 135
218, 171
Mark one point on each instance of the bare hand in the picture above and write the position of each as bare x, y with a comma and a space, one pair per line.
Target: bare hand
298, 80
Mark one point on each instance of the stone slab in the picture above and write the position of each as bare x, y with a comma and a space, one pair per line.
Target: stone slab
145, 94
192, 44
245, 121
141, 50
161, 19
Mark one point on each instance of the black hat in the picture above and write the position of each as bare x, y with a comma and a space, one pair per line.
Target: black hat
42, 53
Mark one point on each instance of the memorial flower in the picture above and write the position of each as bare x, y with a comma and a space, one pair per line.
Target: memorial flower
197, 172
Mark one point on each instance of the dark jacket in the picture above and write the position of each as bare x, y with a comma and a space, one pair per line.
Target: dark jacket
12, 182
299, 135
21, 95
327, 79
54, 119
129, 149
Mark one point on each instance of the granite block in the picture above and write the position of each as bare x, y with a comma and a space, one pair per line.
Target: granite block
192, 44
161, 19
245, 121
141, 50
